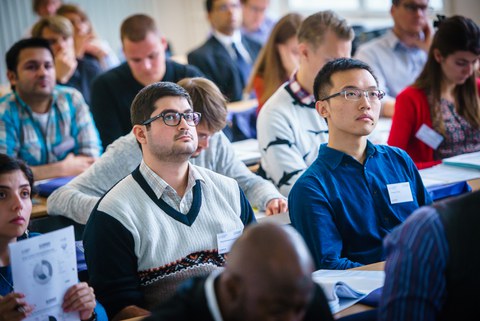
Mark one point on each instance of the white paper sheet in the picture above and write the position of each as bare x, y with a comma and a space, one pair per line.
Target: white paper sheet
444, 174
44, 268
361, 281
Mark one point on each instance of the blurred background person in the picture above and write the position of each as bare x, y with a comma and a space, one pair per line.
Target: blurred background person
255, 22
87, 43
277, 60
70, 70
439, 115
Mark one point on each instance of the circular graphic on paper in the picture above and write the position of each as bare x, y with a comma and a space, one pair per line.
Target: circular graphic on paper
42, 273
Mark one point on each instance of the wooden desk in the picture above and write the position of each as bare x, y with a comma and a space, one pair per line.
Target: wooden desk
39, 209
357, 308
474, 184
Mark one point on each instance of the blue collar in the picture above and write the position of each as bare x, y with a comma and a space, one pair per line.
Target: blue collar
333, 158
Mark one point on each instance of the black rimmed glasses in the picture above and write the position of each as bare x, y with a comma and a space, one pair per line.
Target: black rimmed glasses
356, 94
174, 119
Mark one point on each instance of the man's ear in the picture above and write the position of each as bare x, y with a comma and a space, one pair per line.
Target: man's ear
140, 133
12, 77
321, 107
303, 50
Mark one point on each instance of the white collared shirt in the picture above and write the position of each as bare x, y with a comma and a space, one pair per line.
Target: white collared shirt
211, 296
227, 41
165, 192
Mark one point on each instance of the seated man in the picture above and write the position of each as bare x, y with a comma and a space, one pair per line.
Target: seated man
268, 276
398, 57
48, 126
288, 127
70, 71
256, 24
431, 271
159, 225
113, 91
77, 199
355, 193
227, 56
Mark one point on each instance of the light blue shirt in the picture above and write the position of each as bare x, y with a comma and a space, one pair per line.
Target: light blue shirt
263, 32
395, 65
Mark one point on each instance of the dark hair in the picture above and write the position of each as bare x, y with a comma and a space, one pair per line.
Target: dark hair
11, 57
323, 80
208, 100
314, 27
144, 103
209, 5
269, 63
135, 28
9, 164
454, 34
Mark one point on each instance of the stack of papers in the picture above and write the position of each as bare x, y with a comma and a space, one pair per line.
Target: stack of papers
445, 174
471, 160
344, 288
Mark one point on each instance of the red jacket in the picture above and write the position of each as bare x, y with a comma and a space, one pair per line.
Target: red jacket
411, 111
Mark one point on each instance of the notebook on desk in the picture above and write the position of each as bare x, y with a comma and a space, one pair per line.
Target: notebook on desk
470, 160
344, 288
47, 186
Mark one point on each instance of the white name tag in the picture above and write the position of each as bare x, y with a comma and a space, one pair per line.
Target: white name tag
226, 240
400, 193
429, 136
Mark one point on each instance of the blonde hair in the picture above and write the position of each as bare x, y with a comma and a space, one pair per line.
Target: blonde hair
57, 24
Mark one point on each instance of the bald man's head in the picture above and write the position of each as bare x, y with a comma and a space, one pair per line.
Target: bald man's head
268, 273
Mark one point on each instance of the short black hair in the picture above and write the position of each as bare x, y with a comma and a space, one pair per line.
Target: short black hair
11, 57
323, 83
209, 5
144, 103
9, 164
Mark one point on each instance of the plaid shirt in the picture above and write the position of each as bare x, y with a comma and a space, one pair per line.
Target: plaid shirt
300, 93
70, 129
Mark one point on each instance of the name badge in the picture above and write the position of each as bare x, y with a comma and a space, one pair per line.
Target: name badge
226, 240
429, 136
400, 193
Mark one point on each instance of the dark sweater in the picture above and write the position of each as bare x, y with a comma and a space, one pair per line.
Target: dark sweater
114, 91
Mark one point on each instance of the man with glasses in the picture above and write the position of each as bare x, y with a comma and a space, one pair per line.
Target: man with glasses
256, 23
355, 193
226, 57
77, 199
289, 130
159, 225
399, 55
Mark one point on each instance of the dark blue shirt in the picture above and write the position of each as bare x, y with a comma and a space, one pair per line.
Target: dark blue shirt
342, 208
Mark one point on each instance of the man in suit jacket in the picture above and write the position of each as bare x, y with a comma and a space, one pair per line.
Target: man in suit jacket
268, 276
227, 56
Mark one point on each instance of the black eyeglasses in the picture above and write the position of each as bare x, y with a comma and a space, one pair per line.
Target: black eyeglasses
356, 94
413, 8
173, 119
